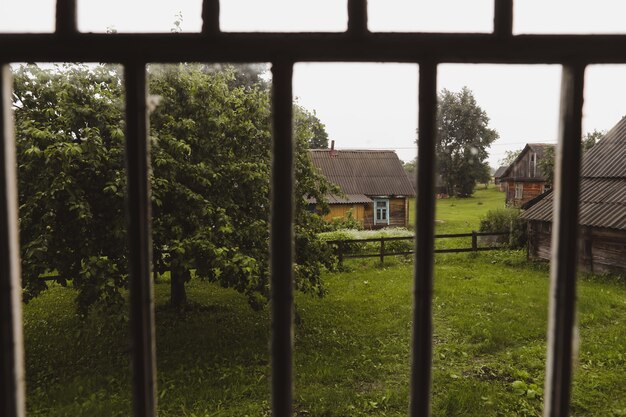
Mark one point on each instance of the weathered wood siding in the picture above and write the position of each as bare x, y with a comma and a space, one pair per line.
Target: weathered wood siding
397, 212
342, 210
599, 250
531, 190
525, 168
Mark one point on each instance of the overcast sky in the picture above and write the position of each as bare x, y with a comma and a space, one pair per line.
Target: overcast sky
375, 105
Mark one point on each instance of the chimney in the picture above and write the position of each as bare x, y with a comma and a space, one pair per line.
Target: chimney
333, 152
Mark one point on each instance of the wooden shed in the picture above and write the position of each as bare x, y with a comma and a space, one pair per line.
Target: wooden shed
497, 177
375, 189
602, 205
523, 179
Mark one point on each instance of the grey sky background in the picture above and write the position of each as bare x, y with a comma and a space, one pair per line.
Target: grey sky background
375, 105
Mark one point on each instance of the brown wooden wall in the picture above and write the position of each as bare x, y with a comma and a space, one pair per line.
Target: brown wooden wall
599, 250
531, 190
397, 211
524, 168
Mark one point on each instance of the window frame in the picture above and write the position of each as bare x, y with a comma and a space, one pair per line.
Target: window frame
283, 50
386, 211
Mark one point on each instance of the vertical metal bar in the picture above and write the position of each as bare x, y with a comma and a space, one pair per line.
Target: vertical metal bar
281, 239
357, 16
503, 18
141, 290
564, 245
66, 17
424, 243
211, 16
11, 340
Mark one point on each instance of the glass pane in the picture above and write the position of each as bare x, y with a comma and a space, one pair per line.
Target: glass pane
283, 15
430, 15
139, 16
569, 16
27, 16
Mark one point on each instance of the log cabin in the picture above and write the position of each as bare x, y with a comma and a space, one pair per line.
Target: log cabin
524, 180
374, 187
602, 209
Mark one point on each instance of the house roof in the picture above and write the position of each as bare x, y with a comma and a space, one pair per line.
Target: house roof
500, 171
602, 187
537, 148
363, 172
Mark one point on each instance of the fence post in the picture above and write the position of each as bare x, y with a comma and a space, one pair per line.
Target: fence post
382, 250
474, 241
340, 252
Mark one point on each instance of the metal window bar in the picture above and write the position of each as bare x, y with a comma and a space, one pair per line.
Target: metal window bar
140, 249
11, 343
283, 50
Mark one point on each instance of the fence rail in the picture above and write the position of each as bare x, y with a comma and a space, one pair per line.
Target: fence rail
342, 254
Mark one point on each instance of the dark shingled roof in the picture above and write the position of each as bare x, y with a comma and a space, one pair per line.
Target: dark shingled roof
365, 172
500, 171
602, 187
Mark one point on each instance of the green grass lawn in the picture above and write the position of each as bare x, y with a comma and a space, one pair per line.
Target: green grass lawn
462, 215
351, 347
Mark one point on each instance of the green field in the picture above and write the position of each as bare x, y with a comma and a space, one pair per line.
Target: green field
351, 347
462, 215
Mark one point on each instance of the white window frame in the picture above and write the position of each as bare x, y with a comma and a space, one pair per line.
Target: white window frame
382, 220
519, 190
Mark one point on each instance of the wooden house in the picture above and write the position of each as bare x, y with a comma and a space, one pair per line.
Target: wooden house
602, 205
374, 187
523, 179
497, 177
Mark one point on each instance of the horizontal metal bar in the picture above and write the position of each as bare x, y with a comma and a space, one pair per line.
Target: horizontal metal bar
321, 47
11, 340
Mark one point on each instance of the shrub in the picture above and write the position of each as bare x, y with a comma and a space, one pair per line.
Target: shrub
347, 222
506, 220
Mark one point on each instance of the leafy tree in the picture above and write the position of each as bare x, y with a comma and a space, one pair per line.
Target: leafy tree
71, 180
510, 157
210, 182
307, 124
463, 140
547, 163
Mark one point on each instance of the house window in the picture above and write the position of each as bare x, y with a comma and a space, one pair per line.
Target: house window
519, 190
381, 211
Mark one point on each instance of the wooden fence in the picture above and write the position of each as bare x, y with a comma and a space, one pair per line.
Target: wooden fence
343, 254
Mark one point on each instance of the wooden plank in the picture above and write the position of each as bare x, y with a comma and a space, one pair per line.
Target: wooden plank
140, 242
211, 17
421, 349
565, 245
11, 338
65, 18
357, 17
281, 239
314, 47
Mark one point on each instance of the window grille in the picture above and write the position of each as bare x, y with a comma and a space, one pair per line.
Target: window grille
428, 50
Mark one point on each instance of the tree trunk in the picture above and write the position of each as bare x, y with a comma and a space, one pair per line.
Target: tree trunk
178, 295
